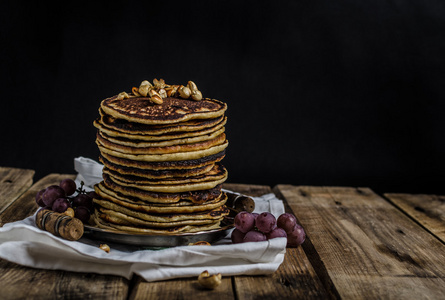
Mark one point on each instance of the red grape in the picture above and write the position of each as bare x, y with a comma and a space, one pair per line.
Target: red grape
286, 221
82, 213
277, 232
244, 221
61, 205
265, 222
265, 227
254, 236
237, 236
39, 199
52, 193
83, 200
68, 185
296, 237
93, 195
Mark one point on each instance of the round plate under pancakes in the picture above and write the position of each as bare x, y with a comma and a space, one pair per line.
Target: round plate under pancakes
156, 240
172, 110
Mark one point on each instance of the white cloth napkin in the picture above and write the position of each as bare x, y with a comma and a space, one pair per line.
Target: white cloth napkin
89, 172
22, 242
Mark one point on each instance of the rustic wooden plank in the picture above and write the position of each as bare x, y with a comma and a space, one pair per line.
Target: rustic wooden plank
427, 210
188, 288
26, 205
295, 278
19, 282
179, 289
363, 247
13, 183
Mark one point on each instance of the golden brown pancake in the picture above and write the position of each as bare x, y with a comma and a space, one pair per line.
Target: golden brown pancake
171, 187
166, 165
161, 170
155, 174
170, 220
158, 231
179, 207
178, 156
169, 136
140, 143
161, 150
125, 126
153, 197
172, 110
217, 172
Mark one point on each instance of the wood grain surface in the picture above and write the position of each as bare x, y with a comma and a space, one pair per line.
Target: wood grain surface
359, 246
295, 278
26, 205
13, 183
427, 210
19, 282
364, 247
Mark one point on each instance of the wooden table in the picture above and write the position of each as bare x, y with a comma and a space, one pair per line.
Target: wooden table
359, 245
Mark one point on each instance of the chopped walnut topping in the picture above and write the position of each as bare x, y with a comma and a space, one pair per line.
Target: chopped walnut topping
160, 90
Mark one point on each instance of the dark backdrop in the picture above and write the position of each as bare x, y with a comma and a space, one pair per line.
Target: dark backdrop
319, 92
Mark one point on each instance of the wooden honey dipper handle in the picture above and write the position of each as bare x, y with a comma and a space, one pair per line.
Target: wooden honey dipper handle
59, 224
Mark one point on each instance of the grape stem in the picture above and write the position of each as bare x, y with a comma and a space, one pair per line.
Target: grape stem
81, 190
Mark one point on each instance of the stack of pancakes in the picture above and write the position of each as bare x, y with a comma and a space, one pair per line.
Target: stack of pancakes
162, 170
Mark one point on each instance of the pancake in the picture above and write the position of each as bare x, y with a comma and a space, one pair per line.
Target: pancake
140, 143
178, 156
142, 230
164, 220
217, 172
158, 221
172, 187
218, 140
169, 136
166, 165
155, 174
172, 110
125, 126
161, 155
198, 197
179, 207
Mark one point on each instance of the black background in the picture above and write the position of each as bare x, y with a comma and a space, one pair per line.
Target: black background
346, 93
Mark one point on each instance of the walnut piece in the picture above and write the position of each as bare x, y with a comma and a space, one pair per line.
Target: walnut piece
105, 247
209, 281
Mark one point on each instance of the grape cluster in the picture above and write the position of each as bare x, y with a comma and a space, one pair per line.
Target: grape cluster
253, 227
60, 198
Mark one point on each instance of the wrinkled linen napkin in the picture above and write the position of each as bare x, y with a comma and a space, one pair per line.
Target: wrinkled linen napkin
22, 242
